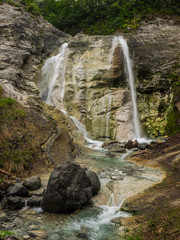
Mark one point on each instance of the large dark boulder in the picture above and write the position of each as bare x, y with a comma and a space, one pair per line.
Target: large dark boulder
96, 185
32, 183
17, 190
12, 203
69, 188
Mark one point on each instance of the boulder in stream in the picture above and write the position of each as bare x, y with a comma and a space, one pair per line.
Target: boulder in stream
69, 188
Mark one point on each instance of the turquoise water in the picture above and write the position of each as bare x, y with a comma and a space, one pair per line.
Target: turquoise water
93, 222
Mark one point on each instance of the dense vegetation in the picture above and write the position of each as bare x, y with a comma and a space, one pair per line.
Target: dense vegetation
100, 16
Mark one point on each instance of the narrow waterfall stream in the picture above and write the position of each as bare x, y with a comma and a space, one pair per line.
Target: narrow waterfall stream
53, 75
119, 40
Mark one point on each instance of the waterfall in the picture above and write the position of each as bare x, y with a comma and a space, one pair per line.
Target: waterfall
53, 77
92, 143
130, 77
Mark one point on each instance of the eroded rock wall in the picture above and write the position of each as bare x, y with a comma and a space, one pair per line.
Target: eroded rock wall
97, 91
25, 40
156, 56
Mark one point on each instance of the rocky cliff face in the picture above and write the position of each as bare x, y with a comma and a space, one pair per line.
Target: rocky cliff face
97, 90
156, 55
24, 41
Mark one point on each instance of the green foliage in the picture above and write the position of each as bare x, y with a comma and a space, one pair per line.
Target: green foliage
98, 16
15, 154
11, 2
31, 6
133, 237
173, 115
8, 110
6, 102
103, 16
173, 118
4, 234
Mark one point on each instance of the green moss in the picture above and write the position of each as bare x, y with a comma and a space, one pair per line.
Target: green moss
133, 237
4, 234
173, 115
9, 110
6, 102
173, 119
11, 2
15, 154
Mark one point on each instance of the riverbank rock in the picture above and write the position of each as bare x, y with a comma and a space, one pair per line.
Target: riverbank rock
34, 201
96, 185
114, 146
69, 188
131, 144
17, 190
12, 203
32, 183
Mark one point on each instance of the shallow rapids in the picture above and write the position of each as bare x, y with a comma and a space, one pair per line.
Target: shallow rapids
120, 179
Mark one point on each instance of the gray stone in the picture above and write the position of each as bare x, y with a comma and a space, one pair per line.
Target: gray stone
34, 201
32, 183
143, 146
12, 203
39, 234
17, 190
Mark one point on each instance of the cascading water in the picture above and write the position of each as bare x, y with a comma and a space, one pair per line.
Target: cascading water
53, 75
129, 74
92, 143
98, 226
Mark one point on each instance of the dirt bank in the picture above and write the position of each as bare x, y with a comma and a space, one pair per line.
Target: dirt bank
157, 210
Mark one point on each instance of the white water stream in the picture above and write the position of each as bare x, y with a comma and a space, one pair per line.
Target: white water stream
130, 78
53, 77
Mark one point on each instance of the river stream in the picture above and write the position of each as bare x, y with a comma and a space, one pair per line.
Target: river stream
101, 219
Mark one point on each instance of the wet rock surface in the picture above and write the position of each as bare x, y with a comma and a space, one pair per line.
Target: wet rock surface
69, 188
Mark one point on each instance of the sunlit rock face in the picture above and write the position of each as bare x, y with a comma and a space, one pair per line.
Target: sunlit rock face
96, 91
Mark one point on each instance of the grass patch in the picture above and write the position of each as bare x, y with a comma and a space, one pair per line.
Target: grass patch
4, 234
9, 110
133, 237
